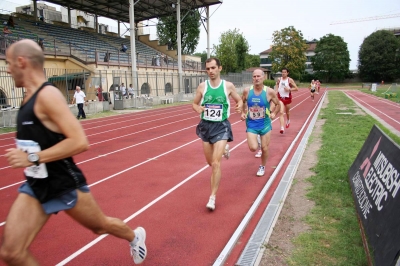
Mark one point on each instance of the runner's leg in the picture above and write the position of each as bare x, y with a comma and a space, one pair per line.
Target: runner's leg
88, 213
213, 153
24, 221
265, 140
252, 141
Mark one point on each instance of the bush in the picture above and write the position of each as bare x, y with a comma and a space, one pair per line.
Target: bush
269, 83
307, 77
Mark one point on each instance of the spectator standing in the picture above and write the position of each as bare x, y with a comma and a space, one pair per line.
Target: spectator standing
80, 98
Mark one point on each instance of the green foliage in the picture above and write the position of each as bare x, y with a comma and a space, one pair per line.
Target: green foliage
332, 59
252, 60
241, 49
379, 57
202, 55
307, 77
269, 83
190, 31
288, 50
231, 49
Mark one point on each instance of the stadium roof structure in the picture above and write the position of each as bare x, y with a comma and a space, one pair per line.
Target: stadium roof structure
144, 9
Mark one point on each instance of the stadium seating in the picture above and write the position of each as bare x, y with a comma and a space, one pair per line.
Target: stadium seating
80, 43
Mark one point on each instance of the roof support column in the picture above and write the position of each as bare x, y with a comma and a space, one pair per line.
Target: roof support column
208, 32
96, 23
35, 10
133, 45
119, 28
178, 34
69, 16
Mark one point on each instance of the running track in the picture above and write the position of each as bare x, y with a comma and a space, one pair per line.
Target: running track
148, 169
385, 110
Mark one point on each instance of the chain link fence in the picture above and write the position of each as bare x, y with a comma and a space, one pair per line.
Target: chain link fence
111, 89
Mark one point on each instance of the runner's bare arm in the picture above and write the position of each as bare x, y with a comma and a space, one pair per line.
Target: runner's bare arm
197, 98
294, 86
244, 99
53, 112
272, 96
235, 96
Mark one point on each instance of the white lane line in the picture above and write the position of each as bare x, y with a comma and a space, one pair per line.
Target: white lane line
98, 239
123, 136
243, 224
137, 144
357, 99
11, 144
148, 113
127, 121
377, 98
176, 121
1, 188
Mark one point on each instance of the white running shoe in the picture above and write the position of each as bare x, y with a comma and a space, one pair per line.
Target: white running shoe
211, 203
227, 153
261, 171
258, 154
139, 250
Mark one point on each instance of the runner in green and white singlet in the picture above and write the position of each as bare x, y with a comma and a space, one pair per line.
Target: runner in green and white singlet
216, 102
212, 103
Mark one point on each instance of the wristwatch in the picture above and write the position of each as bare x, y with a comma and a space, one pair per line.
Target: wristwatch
33, 158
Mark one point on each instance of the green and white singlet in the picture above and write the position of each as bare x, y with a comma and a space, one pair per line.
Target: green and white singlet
216, 102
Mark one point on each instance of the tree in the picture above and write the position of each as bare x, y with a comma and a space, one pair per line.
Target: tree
379, 57
288, 50
252, 60
231, 49
241, 48
202, 55
332, 58
190, 31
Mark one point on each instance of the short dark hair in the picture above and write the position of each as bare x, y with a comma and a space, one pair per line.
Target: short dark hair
209, 60
287, 70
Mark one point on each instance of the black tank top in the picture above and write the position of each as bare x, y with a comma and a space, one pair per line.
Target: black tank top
63, 175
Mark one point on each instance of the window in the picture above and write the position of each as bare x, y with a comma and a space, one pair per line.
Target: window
145, 89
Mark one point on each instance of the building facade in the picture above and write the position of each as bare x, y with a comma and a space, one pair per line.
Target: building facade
265, 61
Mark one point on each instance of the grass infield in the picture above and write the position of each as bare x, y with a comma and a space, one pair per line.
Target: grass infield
334, 238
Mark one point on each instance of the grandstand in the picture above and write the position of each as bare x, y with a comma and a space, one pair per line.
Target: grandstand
94, 60
76, 56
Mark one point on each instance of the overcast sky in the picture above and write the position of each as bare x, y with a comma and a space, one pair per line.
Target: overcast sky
258, 19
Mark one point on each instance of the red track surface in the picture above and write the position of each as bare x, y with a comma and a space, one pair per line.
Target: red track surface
148, 168
386, 110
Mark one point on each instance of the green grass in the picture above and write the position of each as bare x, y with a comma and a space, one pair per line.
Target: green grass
381, 90
334, 238
7, 129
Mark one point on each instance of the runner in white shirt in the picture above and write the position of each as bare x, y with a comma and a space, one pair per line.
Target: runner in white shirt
80, 98
284, 87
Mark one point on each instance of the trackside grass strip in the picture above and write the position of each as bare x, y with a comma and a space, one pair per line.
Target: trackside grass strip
334, 237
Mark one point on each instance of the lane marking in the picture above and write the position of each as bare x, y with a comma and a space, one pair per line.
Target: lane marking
98, 239
357, 99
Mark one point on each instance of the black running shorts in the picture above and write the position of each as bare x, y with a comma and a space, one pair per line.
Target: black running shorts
214, 131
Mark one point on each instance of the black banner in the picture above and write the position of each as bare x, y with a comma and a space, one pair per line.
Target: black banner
375, 183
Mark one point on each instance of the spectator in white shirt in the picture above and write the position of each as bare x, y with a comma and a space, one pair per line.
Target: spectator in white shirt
131, 92
80, 99
123, 90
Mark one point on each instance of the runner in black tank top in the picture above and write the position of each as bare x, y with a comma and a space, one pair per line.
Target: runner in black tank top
48, 135
63, 175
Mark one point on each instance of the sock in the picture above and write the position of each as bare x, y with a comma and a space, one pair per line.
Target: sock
135, 239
